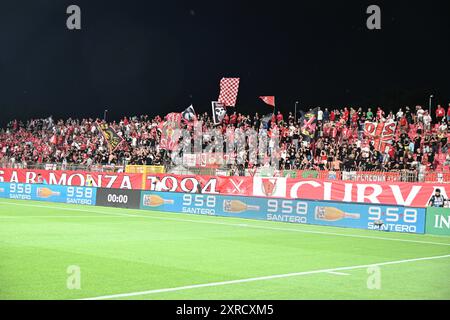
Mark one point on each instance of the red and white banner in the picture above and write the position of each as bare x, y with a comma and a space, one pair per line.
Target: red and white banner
206, 160
170, 131
400, 193
391, 193
382, 133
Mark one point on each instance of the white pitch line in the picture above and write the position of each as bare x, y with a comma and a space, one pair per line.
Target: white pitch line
278, 276
230, 224
339, 273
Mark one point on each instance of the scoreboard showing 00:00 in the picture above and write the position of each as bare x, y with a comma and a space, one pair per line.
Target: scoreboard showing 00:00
114, 198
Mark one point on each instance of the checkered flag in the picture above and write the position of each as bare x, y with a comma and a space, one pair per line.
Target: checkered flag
229, 88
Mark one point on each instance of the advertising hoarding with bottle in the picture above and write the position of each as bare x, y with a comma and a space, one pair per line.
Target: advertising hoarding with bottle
361, 216
49, 193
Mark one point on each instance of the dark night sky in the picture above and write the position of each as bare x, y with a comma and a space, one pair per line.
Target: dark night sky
154, 57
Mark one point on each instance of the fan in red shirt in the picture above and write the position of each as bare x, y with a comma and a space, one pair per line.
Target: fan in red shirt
380, 113
226, 119
279, 117
333, 116
355, 119
404, 123
233, 118
346, 114
440, 113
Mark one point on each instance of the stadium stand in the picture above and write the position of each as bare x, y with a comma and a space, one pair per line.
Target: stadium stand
420, 144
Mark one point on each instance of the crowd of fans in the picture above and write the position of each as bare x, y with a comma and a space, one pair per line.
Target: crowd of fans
339, 143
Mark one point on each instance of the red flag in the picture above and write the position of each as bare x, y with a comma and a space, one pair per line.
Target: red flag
270, 100
54, 139
229, 88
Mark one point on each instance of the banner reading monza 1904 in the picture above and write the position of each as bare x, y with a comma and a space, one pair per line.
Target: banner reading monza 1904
389, 193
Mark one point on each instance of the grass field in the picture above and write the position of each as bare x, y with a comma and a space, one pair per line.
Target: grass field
132, 254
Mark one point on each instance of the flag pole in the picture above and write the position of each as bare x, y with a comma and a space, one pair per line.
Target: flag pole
274, 105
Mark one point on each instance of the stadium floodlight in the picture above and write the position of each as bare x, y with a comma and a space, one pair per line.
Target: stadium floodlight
295, 110
105, 113
429, 105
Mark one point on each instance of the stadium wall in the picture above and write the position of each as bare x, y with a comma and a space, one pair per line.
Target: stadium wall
389, 218
387, 193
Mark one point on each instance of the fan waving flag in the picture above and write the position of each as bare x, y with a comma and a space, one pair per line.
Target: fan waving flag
270, 100
308, 124
218, 112
170, 131
189, 114
111, 136
229, 88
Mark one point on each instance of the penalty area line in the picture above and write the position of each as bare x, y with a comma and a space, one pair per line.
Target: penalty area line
278, 276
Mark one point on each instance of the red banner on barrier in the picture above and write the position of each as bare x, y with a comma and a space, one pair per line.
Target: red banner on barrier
73, 178
203, 184
405, 194
391, 193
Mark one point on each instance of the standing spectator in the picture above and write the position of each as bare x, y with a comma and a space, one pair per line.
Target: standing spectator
408, 115
448, 113
369, 115
427, 121
233, 118
326, 115
440, 114
333, 115
420, 112
279, 117
319, 115
380, 113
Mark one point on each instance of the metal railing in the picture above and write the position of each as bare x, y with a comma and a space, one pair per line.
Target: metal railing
361, 176
62, 166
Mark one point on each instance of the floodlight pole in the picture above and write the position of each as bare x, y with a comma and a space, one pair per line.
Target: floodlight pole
295, 108
429, 104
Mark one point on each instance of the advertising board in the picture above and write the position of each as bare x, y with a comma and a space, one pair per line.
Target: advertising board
361, 216
118, 198
49, 193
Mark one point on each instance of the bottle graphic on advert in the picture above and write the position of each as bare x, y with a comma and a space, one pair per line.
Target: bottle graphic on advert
236, 206
333, 214
46, 193
151, 200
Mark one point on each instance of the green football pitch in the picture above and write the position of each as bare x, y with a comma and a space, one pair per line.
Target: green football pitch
58, 251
